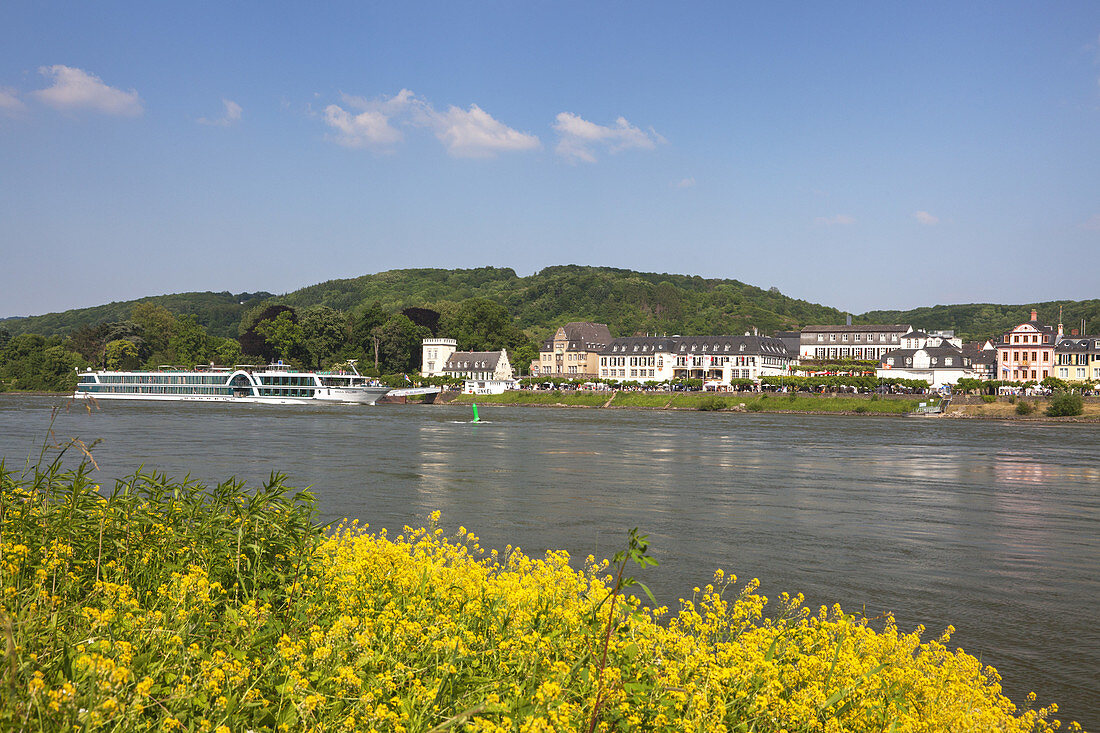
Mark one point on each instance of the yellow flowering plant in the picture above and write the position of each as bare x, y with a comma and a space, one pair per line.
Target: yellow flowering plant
165, 605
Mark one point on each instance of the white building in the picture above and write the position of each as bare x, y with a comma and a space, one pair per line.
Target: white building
479, 365
434, 354
717, 360
868, 342
937, 365
487, 386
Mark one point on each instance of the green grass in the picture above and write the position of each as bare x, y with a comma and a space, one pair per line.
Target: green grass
640, 399
584, 399
826, 403
704, 401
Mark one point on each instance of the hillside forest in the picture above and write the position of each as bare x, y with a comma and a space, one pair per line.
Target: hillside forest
380, 320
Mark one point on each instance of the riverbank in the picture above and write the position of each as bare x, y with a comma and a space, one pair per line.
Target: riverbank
1003, 408
168, 606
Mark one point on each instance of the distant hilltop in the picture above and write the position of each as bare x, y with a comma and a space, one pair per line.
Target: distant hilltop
630, 302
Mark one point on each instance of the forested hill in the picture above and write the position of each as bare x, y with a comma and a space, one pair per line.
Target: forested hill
628, 301
220, 313
979, 321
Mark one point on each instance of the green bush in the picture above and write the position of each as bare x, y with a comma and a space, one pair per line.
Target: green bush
861, 409
1065, 404
754, 407
1024, 408
710, 404
989, 399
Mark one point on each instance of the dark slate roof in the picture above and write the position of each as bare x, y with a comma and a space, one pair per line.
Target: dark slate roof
582, 335
973, 350
939, 353
1078, 344
885, 328
465, 361
920, 335
640, 345
697, 345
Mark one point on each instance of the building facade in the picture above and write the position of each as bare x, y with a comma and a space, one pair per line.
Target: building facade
434, 354
717, 360
866, 343
479, 365
938, 365
1077, 359
1026, 353
573, 352
983, 359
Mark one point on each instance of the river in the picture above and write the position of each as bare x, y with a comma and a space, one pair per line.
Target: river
993, 527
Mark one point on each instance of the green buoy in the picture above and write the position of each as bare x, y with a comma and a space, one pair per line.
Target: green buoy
476, 418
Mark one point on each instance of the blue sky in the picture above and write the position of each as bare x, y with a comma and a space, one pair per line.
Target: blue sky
862, 155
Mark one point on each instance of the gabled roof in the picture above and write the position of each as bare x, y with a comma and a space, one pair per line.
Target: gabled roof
582, 335
939, 353
696, 345
1078, 344
465, 361
885, 328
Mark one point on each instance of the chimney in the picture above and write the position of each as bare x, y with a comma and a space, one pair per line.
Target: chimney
1034, 314
849, 319
1073, 332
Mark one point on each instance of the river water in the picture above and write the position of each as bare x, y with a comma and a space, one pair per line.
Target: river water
993, 527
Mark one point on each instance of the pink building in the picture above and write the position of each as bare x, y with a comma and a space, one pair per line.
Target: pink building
1027, 352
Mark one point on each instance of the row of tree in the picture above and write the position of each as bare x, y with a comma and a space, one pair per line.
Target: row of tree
313, 337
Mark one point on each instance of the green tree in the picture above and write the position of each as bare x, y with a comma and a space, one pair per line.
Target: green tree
399, 344
363, 324
283, 334
1054, 383
188, 342
225, 351
157, 324
31, 362
121, 355
478, 324
1066, 404
324, 333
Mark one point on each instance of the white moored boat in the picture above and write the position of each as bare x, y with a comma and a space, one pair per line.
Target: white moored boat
274, 384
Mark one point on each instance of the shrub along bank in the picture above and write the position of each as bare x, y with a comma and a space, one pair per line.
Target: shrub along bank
165, 606
752, 401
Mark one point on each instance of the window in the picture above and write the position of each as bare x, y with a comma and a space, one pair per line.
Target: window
832, 337
844, 337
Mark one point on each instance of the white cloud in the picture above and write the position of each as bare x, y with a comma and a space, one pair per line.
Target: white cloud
835, 220
474, 133
232, 115
371, 127
77, 89
465, 133
684, 183
925, 218
578, 137
10, 103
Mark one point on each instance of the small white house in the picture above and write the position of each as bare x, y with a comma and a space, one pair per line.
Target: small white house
937, 365
487, 386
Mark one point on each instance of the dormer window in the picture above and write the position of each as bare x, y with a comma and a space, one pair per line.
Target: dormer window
742, 347
948, 361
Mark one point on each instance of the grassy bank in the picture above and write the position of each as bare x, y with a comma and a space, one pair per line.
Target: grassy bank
165, 606
752, 401
522, 397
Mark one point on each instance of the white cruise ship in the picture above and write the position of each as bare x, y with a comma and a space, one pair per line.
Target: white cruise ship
277, 384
